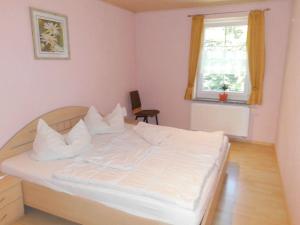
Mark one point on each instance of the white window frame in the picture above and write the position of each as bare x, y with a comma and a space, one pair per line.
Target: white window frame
214, 95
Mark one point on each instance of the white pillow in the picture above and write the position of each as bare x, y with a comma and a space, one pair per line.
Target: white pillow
116, 119
112, 123
47, 142
95, 122
79, 134
50, 145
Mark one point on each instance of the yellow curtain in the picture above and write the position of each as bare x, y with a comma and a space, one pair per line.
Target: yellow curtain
256, 54
195, 49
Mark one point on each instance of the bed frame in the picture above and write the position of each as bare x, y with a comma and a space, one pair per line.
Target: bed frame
74, 208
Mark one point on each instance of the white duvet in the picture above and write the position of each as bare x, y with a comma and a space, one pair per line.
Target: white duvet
123, 153
175, 171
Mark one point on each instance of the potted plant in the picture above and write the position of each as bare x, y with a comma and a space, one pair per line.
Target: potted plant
224, 96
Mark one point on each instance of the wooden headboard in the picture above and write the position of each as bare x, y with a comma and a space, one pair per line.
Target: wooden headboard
62, 120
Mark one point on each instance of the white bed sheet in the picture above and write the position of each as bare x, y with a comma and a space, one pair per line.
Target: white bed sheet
41, 173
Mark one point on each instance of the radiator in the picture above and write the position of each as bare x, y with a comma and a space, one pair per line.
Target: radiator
232, 119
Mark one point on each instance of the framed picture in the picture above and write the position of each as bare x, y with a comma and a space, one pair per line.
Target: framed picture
50, 35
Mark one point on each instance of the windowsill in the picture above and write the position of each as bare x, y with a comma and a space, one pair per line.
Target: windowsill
216, 101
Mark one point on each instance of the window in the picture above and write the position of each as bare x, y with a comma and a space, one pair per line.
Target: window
224, 59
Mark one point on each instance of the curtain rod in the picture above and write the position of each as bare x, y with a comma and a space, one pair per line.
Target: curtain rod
208, 14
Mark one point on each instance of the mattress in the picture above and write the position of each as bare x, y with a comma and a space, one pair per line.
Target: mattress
42, 173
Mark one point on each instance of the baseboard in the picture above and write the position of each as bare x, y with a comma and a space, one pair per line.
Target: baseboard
267, 144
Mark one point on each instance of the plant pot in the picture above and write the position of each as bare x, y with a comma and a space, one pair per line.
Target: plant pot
223, 97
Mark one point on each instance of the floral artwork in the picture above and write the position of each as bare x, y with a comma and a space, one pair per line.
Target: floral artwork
50, 35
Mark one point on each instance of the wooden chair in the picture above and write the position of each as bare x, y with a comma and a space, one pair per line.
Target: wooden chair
137, 108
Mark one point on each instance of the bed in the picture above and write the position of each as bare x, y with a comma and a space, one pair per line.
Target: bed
102, 205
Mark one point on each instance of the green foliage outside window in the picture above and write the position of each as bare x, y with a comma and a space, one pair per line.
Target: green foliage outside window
224, 58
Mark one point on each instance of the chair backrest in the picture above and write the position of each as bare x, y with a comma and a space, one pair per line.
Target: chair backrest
136, 104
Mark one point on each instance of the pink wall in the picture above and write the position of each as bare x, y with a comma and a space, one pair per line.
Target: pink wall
101, 71
289, 124
162, 63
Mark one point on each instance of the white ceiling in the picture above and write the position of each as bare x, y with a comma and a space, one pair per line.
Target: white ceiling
151, 5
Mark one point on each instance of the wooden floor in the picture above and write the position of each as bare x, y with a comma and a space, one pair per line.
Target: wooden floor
252, 196
253, 192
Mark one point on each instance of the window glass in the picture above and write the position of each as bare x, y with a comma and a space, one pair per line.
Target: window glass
224, 60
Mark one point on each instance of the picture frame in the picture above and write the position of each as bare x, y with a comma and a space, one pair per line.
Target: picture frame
50, 35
